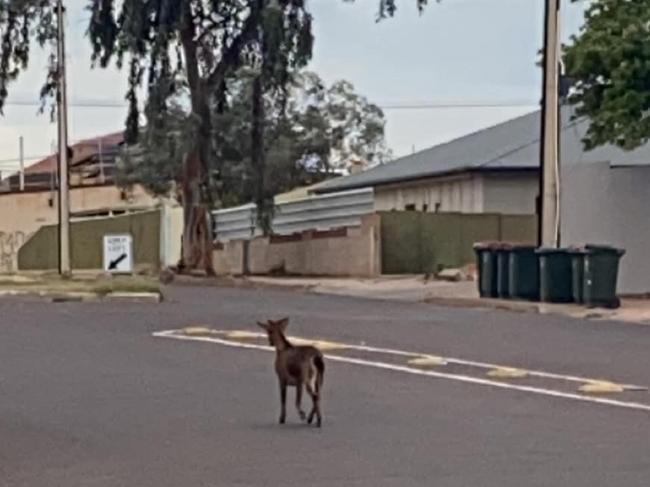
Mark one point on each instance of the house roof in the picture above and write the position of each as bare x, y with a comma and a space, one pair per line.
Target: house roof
297, 193
82, 150
511, 145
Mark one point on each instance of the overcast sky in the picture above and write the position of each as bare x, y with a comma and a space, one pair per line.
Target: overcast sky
467, 52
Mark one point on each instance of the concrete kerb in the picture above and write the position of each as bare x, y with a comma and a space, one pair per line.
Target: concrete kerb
504, 305
50, 296
83, 297
314, 285
250, 282
570, 310
337, 287
124, 297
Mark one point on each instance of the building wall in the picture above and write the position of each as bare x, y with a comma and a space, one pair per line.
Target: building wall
601, 205
22, 214
463, 193
511, 193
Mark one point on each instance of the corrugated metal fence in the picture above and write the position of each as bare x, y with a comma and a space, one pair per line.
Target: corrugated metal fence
322, 212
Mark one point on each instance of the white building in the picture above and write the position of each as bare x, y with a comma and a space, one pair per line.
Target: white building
604, 192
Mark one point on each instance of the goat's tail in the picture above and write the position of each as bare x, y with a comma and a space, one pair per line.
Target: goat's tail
319, 363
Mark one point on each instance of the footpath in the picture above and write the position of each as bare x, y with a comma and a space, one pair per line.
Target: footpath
83, 286
445, 293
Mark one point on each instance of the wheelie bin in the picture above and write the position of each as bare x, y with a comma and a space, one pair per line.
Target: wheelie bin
524, 272
555, 275
601, 264
503, 270
487, 269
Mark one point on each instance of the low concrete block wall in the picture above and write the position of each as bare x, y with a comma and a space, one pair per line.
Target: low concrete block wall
228, 258
350, 252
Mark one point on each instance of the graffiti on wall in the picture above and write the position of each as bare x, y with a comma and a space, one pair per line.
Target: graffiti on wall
10, 243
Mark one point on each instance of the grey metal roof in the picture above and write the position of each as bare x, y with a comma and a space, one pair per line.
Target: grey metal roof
513, 145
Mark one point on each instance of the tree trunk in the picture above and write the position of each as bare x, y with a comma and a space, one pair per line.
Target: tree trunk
258, 156
197, 233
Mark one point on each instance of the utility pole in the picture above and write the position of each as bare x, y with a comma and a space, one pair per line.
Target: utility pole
102, 176
62, 113
21, 155
549, 211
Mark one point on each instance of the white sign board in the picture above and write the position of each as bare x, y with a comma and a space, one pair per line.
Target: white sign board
118, 253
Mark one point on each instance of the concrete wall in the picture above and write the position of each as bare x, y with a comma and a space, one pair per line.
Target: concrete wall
41, 251
463, 193
350, 251
21, 214
510, 193
610, 206
171, 234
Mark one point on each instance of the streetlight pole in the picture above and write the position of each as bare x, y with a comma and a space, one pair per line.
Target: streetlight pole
62, 114
549, 211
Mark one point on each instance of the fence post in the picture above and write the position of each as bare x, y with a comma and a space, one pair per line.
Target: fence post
245, 257
164, 243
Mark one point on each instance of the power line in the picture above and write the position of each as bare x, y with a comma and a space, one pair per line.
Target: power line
387, 106
436, 106
27, 158
78, 104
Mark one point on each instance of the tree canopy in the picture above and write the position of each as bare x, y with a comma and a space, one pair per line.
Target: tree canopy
151, 31
387, 8
171, 45
609, 63
314, 131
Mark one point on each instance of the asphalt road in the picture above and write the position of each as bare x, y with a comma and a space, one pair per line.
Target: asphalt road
89, 398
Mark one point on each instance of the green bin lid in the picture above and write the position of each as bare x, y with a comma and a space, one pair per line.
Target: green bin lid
551, 250
486, 245
595, 248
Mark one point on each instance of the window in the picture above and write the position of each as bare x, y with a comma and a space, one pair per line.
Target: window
410, 207
425, 207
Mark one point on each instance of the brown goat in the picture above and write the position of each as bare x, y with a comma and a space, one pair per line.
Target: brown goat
296, 366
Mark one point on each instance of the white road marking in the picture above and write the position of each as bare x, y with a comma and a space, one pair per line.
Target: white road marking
447, 360
484, 365
429, 373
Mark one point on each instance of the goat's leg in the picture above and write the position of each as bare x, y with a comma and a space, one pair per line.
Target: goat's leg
301, 413
283, 401
315, 411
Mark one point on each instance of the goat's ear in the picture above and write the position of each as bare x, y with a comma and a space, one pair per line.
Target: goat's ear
283, 323
263, 325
